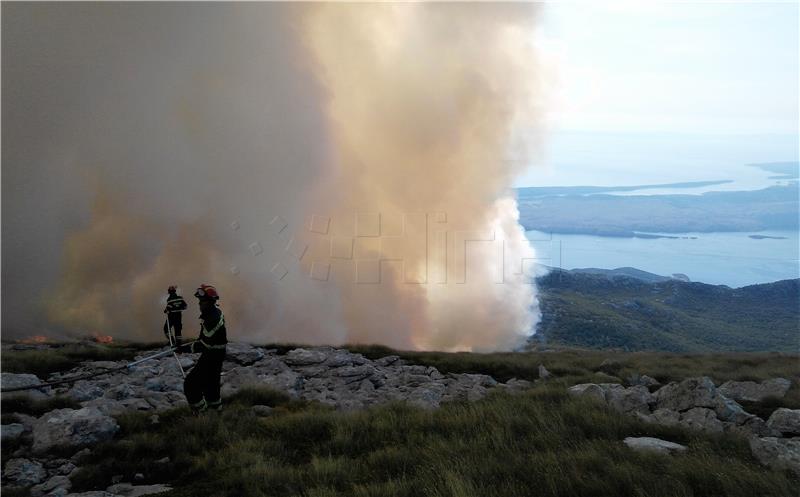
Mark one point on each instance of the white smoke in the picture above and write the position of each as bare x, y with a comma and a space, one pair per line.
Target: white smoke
241, 145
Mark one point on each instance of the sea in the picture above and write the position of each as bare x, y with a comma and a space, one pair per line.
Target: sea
734, 259
728, 258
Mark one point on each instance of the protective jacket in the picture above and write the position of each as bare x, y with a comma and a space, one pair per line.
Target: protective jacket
213, 335
175, 305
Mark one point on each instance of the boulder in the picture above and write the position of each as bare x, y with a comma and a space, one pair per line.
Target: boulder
93, 493
690, 393
703, 419
57, 485
642, 380
777, 453
304, 357
128, 490
544, 373
24, 472
11, 431
656, 445
666, 417
588, 390
338, 358
70, 427
428, 396
15, 380
751, 391
120, 392
262, 411
387, 361
243, 353
85, 390
729, 410
629, 400
786, 421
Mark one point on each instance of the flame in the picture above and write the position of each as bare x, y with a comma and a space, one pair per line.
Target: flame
34, 339
103, 338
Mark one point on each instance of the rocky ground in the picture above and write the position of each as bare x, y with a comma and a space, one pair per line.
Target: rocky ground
349, 381
698, 404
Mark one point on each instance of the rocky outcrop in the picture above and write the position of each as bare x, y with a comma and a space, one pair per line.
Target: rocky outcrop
650, 444
777, 453
128, 490
786, 421
71, 427
11, 431
698, 404
14, 380
24, 472
751, 391
56, 486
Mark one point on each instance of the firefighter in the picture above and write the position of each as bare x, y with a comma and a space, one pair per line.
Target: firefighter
203, 381
174, 310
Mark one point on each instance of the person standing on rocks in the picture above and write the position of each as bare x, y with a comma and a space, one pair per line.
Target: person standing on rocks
174, 310
202, 384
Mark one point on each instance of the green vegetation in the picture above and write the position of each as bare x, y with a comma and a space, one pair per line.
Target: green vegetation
541, 442
63, 357
595, 311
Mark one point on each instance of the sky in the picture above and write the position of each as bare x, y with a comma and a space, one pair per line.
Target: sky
677, 67
714, 85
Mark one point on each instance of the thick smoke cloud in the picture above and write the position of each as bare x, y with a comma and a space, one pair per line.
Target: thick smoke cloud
290, 155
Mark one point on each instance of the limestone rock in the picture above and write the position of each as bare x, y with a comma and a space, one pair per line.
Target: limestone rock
70, 427
128, 490
650, 444
85, 390
243, 353
387, 360
751, 391
633, 399
262, 411
589, 390
24, 472
17, 380
93, 493
690, 393
544, 373
703, 419
304, 357
786, 421
666, 417
11, 431
777, 453
57, 485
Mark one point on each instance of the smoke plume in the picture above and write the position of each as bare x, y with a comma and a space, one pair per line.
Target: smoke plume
337, 171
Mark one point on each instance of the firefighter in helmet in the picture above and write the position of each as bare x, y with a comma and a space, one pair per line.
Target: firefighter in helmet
203, 381
174, 310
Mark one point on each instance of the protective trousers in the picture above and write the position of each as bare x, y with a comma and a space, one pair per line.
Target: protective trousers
201, 385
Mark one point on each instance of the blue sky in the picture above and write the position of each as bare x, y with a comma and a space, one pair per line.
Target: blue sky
685, 72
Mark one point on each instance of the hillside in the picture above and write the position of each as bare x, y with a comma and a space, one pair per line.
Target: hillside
131, 433
613, 311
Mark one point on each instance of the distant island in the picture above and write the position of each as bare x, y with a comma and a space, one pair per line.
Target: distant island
785, 170
570, 210
766, 237
547, 191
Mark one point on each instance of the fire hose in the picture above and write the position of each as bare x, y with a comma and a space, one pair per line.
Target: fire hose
163, 353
